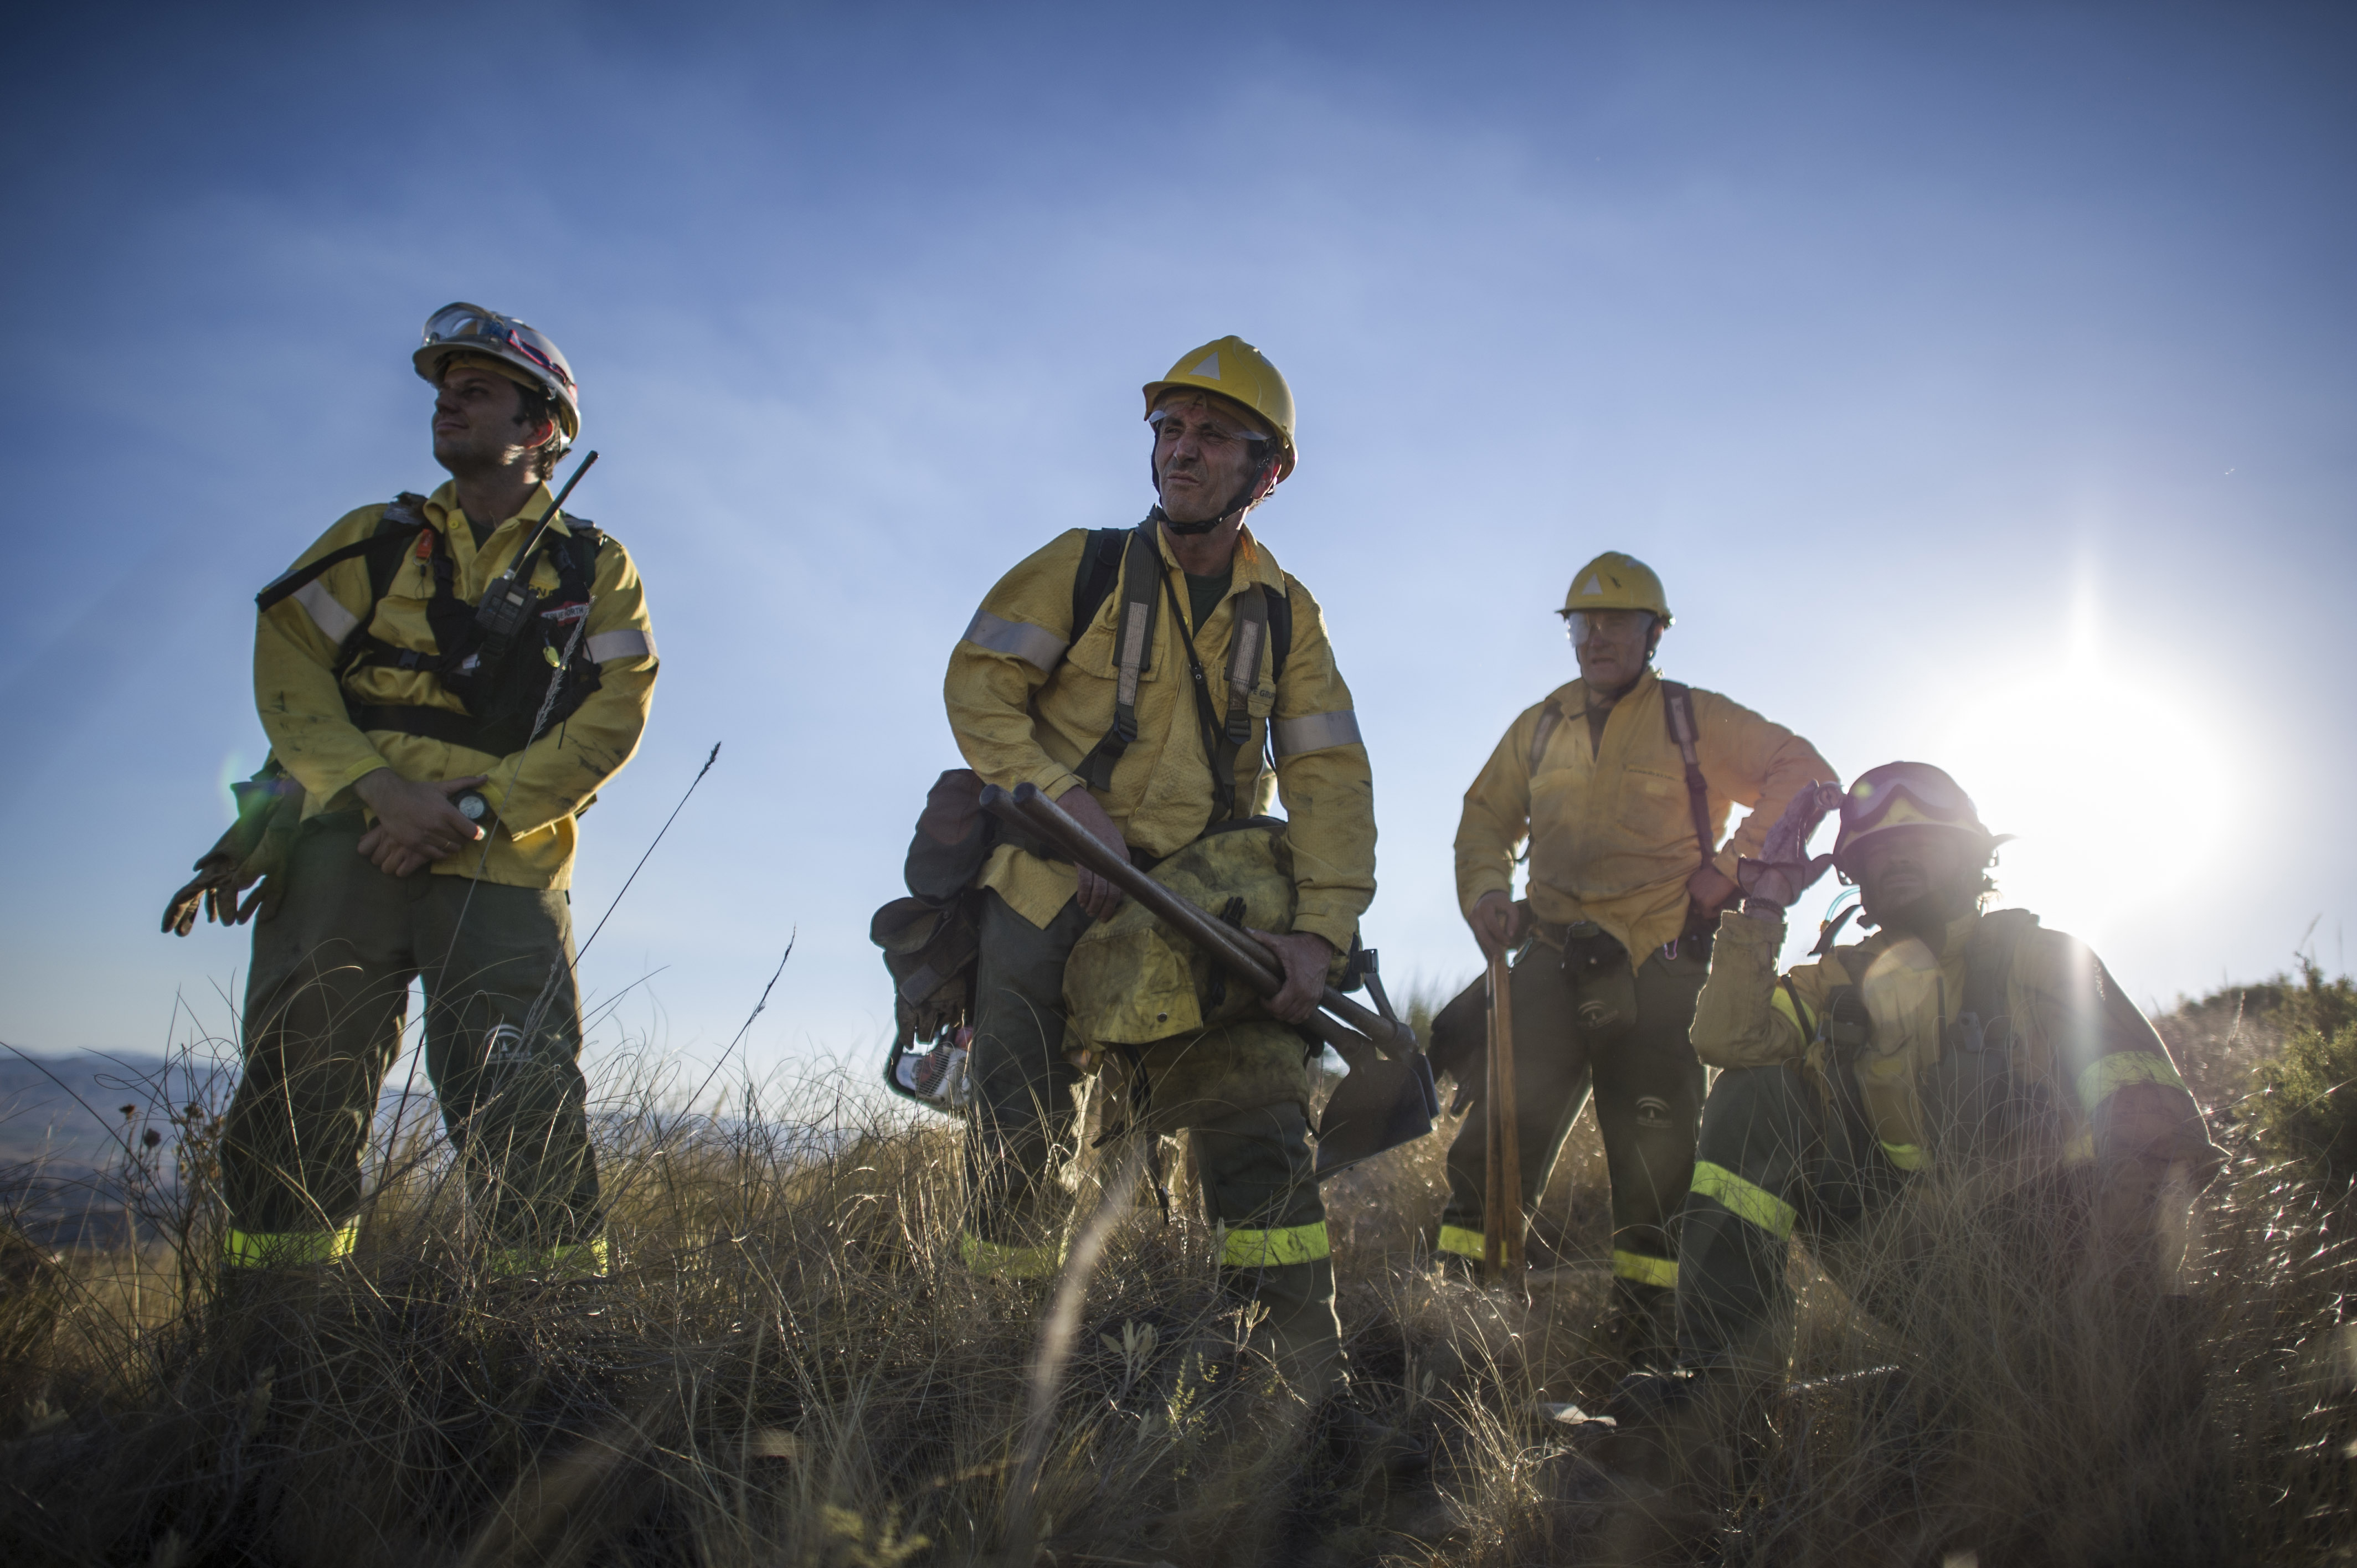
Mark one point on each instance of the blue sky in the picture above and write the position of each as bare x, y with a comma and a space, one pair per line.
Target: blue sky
1979, 378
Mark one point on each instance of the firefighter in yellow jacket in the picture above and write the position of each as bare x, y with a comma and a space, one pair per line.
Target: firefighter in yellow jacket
447, 682
1621, 784
1949, 1036
1194, 684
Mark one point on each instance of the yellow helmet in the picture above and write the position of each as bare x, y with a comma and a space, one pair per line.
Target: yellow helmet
1617, 582
1236, 371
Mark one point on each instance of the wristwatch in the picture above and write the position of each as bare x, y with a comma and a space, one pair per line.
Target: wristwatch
475, 808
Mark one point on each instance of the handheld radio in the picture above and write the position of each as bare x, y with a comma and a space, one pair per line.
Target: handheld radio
510, 603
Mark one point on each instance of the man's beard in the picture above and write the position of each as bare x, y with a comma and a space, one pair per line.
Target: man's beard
1927, 914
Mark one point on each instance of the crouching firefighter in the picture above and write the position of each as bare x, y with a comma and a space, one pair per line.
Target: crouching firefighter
447, 682
1620, 783
1145, 678
1952, 1041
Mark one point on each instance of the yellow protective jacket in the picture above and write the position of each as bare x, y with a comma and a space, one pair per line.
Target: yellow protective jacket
2077, 1047
1028, 698
1611, 824
537, 793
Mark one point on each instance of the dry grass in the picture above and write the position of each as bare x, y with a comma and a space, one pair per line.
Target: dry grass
790, 1366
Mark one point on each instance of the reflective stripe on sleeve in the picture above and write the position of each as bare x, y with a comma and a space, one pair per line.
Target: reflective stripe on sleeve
1906, 1156
333, 621
629, 642
996, 1261
2112, 1073
1316, 731
1638, 1268
1275, 1249
1463, 1243
1781, 1002
1035, 645
1752, 1204
287, 1249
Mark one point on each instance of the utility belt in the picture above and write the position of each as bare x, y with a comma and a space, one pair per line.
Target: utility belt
1587, 947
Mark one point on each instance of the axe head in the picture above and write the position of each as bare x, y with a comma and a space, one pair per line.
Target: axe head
1380, 1106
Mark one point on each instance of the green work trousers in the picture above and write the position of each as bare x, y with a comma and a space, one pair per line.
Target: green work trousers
1258, 1171
324, 1007
1773, 1158
1624, 1035
1776, 1161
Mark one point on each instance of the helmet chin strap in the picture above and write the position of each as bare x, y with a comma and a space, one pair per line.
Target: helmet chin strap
1240, 501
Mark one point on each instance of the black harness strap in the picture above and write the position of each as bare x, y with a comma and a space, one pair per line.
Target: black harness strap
1550, 720
1217, 750
502, 704
1678, 700
1100, 569
1133, 656
402, 522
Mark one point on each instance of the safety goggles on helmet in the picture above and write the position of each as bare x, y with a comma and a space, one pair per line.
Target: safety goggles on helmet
1614, 625
1904, 795
463, 329
1210, 429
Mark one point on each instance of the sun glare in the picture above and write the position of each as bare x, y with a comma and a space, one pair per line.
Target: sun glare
2113, 790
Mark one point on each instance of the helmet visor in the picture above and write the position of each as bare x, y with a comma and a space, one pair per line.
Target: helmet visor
1614, 626
460, 327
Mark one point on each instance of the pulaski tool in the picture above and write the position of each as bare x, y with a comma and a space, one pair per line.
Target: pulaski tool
1388, 1100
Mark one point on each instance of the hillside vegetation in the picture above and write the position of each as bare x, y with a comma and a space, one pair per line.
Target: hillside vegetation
790, 1366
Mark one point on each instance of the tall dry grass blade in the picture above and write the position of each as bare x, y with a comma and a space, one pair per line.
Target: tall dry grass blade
1056, 1336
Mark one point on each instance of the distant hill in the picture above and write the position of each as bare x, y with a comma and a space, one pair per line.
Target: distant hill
63, 1132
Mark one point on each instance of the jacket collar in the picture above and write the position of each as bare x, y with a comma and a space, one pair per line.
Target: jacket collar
442, 511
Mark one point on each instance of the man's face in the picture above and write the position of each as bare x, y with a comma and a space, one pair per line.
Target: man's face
1611, 645
1201, 457
1902, 867
476, 425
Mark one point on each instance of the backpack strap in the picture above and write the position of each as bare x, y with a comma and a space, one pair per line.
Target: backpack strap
1678, 700
1550, 720
401, 522
1247, 645
1280, 628
1100, 568
1988, 968
1141, 574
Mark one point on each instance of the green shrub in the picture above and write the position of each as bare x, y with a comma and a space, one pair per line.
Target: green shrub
2304, 1102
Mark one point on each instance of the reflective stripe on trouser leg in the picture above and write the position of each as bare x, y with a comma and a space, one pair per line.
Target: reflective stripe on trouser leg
1248, 1249
1465, 1243
1260, 1186
286, 1249
1022, 1086
1757, 1129
1660, 1274
579, 1260
998, 1260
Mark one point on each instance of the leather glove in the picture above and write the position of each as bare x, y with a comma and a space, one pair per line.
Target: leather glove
1784, 870
269, 810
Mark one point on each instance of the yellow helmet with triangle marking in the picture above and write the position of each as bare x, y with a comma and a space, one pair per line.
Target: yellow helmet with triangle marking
1617, 582
1232, 369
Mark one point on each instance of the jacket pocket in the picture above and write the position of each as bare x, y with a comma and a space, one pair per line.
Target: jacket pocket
1651, 807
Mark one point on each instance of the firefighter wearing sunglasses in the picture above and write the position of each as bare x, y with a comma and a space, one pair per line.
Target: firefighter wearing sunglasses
446, 681
1166, 685
1952, 1038
1620, 784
